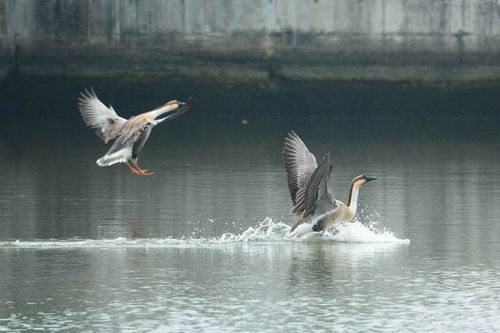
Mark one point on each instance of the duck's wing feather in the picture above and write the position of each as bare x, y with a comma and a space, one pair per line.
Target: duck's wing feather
299, 165
318, 198
97, 115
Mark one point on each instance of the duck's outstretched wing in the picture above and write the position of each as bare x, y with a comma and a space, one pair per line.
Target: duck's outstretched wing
318, 198
299, 165
97, 115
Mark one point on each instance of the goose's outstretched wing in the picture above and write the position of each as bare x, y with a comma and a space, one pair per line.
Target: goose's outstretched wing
97, 115
299, 165
318, 198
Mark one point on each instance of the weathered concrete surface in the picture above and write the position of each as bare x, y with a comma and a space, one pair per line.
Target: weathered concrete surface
422, 40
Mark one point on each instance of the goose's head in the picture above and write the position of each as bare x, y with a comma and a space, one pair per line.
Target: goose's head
357, 182
362, 180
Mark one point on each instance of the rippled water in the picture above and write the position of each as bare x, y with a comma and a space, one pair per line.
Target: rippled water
201, 245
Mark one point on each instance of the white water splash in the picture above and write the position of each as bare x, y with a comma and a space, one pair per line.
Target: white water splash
268, 230
357, 232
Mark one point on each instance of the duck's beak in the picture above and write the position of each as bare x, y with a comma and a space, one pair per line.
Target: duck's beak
184, 106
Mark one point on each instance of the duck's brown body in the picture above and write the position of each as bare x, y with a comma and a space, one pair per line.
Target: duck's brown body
130, 135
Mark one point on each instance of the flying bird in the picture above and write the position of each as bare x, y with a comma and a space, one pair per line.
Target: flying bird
130, 135
310, 189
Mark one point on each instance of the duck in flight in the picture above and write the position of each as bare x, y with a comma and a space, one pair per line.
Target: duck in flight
310, 189
130, 135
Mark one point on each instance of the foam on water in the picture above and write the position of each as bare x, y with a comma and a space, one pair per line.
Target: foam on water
268, 230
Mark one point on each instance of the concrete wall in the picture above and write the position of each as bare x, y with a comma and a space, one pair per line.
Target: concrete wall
254, 39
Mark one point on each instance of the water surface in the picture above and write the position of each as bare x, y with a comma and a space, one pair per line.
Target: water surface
201, 244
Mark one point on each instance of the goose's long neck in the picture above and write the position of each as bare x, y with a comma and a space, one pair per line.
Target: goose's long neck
353, 197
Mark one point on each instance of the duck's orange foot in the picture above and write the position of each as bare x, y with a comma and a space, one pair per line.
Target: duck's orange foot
145, 173
142, 172
136, 170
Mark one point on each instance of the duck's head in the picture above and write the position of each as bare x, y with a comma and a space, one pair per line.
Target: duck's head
170, 106
184, 106
174, 106
362, 180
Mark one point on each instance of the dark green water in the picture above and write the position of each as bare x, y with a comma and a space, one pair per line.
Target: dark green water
200, 245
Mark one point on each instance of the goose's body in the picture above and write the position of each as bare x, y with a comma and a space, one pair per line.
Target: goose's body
310, 189
129, 135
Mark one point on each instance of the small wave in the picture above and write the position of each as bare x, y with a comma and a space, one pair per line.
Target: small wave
267, 231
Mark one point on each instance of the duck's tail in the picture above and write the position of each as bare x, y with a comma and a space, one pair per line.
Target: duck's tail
120, 156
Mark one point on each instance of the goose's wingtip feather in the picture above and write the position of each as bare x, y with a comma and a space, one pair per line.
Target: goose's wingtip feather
299, 165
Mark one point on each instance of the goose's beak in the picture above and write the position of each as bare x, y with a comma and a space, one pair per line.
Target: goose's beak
369, 179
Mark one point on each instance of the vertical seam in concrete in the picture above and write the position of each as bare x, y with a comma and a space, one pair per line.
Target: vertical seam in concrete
383, 18
294, 26
116, 20
184, 15
89, 22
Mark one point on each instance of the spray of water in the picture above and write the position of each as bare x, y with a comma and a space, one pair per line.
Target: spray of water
268, 230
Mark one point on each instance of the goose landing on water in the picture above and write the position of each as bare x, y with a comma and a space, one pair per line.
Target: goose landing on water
131, 134
310, 189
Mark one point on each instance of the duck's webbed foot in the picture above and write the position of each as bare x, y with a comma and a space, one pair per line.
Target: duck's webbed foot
136, 170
